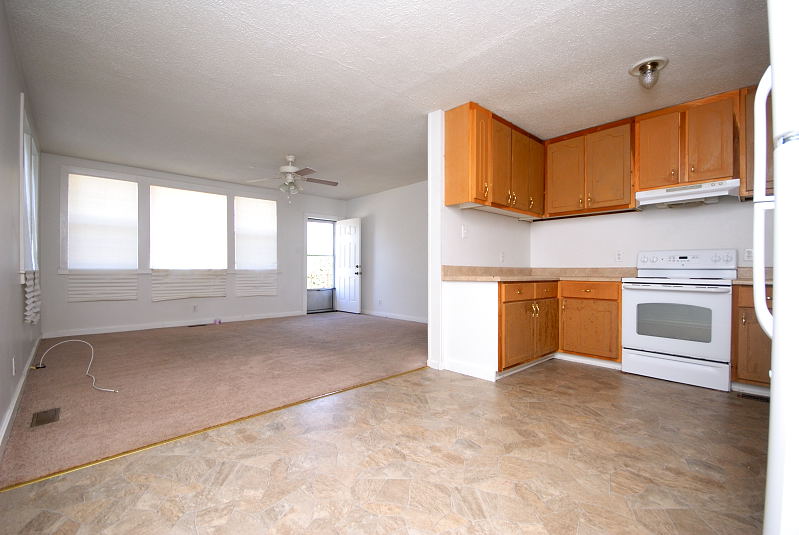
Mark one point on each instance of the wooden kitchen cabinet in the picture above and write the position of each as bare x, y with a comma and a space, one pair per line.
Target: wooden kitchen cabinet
500, 176
607, 167
697, 141
491, 164
528, 329
659, 151
467, 144
590, 172
565, 175
589, 319
748, 141
751, 347
709, 141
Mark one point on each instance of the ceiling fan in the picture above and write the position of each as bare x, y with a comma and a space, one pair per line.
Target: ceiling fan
292, 176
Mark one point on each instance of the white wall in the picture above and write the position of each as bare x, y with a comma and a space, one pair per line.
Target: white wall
593, 241
394, 251
490, 239
61, 318
17, 340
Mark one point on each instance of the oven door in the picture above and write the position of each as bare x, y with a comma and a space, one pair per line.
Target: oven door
683, 320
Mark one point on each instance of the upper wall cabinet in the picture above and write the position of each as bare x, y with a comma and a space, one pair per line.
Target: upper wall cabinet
491, 164
467, 148
748, 141
589, 172
693, 142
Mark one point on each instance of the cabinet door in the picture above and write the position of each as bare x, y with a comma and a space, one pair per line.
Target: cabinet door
565, 176
480, 159
535, 200
753, 348
500, 163
546, 327
748, 186
607, 167
520, 176
590, 327
709, 131
659, 151
517, 333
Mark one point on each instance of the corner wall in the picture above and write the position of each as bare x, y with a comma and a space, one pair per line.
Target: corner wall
17, 340
60, 318
394, 251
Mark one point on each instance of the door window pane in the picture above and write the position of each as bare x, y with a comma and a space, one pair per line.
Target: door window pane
188, 229
320, 254
676, 321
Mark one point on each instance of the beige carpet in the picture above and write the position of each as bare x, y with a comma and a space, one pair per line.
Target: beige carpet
178, 380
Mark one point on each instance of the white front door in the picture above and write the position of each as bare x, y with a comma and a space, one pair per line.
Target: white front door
348, 265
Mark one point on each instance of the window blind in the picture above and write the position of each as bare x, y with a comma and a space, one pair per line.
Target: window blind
251, 283
255, 226
103, 223
170, 284
188, 229
107, 286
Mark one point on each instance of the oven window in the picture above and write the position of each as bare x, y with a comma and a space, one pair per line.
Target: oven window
676, 321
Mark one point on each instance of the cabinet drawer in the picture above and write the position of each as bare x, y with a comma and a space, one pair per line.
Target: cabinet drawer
516, 291
544, 290
590, 290
746, 297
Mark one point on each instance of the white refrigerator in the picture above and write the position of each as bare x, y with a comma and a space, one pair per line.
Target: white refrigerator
782, 80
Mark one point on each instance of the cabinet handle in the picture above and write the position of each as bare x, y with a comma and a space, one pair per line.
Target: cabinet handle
531, 203
581, 201
537, 310
518, 291
485, 190
587, 291
673, 173
768, 298
510, 196
589, 199
563, 306
692, 169
513, 202
743, 318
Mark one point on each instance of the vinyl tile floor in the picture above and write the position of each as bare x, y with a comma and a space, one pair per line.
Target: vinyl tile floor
559, 448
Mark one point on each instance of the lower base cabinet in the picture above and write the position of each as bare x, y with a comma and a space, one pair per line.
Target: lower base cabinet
589, 319
751, 347
528, 328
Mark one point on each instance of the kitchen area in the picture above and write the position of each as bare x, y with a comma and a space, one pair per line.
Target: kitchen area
627, 245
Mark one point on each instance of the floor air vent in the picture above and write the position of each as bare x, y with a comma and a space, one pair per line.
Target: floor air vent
753, 396
45, 417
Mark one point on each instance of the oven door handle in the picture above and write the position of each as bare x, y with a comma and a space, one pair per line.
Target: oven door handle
694, 289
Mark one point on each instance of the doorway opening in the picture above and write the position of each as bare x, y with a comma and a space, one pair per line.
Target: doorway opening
321, 270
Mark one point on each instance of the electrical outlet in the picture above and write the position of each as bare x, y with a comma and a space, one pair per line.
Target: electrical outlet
379, 300
13, 366
619, 256
464, 233
195, 308
748, 255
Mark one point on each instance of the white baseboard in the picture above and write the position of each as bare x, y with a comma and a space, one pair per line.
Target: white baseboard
601, 363
751, 389
522, 367
434, 364
163, 324
467, 368
404, 317
13, 407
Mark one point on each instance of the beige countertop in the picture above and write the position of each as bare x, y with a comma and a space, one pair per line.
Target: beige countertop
506, 274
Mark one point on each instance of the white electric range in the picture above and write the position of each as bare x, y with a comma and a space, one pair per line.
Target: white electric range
676, 316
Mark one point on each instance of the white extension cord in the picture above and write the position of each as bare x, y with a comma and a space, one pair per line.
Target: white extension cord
89, 367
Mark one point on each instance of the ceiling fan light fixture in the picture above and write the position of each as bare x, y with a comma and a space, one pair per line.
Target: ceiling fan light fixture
647, 70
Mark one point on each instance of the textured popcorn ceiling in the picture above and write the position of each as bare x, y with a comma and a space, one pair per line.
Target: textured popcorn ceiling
223, 89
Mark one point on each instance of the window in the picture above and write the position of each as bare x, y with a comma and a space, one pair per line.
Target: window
188, 229
30, 203
320, 254
103, 223
255, 224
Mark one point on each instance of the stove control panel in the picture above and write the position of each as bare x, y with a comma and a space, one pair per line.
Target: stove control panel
688, 259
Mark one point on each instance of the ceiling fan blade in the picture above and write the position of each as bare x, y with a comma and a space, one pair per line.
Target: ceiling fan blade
265, 179
305, 172
320, 181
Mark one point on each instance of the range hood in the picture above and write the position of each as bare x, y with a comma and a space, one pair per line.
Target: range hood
707, 192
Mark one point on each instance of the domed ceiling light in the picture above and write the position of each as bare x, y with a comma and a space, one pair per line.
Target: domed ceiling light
647, 70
